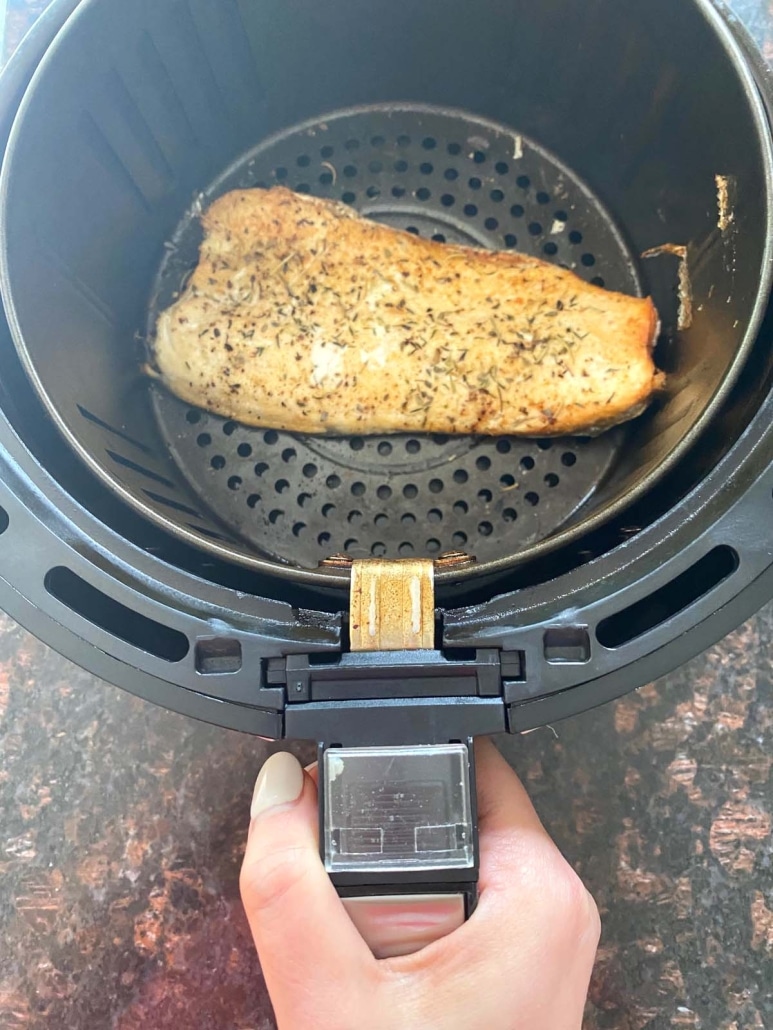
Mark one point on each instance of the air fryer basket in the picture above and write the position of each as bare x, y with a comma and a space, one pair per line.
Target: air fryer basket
589, 153
640, 108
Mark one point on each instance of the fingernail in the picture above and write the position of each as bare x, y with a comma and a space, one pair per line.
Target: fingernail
280, 782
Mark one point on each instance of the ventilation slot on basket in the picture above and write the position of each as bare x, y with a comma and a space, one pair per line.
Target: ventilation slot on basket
566, 645
714, 568
4, 520
97, 421
115, 618
217, 656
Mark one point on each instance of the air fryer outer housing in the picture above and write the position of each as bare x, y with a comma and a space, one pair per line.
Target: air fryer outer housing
111, 590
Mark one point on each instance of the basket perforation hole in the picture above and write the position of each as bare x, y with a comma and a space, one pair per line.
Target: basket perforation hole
348, 197
372, 192
502, 167
281, 486
433, 545
350, 171
289, 455
401, 165
491, 224
303, 161
459, 539
253, 500
461, 507
497, 196
270, 437
303, 187
451, 174
543, 198
599, 280
545, 445
575, 237
485, 496
483, 463
551, 249
532, 498
230, 427
435, 515
439, 237
561, 216
382, 519
260, 468
328, 510
275, 515
510, 240
193, 416
470, 210
460, 476
507, 481
298, 528
327, 151
454, 148
429, 143
423, 193
426, 168
356, 443
280, 173
478, 157
485, 528
517, 211
410, 491
568, 458
358, 489
588, 260
436, 486
244, 450
403, 140
303, 500
413, 230
352, 144
406, 549
378, 550
377, 141
398, 191
310, 470
333, 482
504, 446
218, 462
475, 183
527, 463
523, 182
408, 519
203, 439
535, 229
323, 539
509, 514
234, 482
384, 448
326, 178
350, 543
552, 480
384, 492
413, 446
448, 200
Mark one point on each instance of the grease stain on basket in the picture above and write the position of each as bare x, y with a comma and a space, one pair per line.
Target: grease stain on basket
726, 186
684, 289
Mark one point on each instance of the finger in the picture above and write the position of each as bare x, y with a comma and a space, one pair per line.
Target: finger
301, 930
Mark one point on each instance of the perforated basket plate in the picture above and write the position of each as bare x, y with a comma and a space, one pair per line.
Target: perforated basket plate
451, 177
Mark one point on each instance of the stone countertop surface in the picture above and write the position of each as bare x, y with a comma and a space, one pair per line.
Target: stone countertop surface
122, 828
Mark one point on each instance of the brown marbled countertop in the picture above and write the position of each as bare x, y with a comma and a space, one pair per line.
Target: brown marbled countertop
122, 826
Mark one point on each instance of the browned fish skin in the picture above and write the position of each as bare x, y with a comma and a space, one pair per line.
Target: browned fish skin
303, 316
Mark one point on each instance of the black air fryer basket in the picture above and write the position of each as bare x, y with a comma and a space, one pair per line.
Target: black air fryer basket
187, 557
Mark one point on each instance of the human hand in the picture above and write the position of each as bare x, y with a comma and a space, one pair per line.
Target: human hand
522, 961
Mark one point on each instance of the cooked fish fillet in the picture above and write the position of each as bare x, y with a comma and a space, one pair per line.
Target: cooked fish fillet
304, 316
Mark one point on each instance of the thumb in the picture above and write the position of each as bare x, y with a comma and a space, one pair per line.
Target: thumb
304, 937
